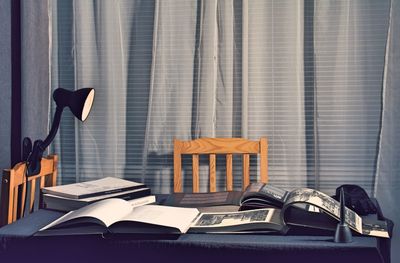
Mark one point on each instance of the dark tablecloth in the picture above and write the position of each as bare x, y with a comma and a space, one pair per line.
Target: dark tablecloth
17, 245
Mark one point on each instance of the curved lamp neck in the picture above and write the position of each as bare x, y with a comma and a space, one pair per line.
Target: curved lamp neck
39, 146
54, 128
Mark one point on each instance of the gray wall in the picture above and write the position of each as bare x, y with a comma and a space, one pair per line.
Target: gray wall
35, 93
5, 82
35, 76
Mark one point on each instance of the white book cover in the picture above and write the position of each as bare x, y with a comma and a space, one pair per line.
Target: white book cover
102, 186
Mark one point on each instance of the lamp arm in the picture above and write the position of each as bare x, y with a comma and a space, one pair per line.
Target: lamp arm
54, 128
35, 157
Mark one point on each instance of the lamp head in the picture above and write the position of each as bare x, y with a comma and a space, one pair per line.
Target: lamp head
80, 101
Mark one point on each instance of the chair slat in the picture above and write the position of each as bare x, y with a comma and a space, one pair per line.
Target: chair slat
15, 203
16, 187
195, 171
46, 166
246, 169
213, 146
53, 176
229, 176
42, 181
42, 184
213, 178
6, 196
32, 195
264, 160
219, 146
22, 206
177, 167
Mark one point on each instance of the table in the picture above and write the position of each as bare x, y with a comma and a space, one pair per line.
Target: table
17, 245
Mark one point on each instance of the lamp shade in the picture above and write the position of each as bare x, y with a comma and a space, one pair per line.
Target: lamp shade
80, 101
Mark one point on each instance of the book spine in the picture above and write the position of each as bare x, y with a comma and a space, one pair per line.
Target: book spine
73, 204
113, 191
142, 201
94, 194
134, 195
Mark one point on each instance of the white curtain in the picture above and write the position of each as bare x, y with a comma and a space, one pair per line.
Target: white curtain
387, 186
306, 74
350, 41
173, 69
275, 91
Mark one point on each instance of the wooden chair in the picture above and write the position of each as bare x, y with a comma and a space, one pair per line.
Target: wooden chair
13, 203
213, 146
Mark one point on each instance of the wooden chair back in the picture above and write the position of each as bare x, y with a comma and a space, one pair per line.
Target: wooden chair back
14, 188
213, 146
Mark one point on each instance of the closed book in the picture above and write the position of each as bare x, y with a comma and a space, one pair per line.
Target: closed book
68, 204
108, 185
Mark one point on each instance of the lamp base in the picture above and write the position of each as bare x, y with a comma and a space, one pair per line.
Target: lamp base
343, 234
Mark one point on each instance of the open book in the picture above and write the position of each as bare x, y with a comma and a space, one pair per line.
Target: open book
118, 216
306, 207
301, 208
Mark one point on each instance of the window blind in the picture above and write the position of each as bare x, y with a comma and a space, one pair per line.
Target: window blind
307, 75
350, 42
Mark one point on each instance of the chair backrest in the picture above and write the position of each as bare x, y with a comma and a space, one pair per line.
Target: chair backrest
14, 188
213, 146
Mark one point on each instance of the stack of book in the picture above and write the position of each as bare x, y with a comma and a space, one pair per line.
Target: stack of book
74, 196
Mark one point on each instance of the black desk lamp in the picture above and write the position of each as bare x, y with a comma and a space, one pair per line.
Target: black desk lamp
343, 232
79, 102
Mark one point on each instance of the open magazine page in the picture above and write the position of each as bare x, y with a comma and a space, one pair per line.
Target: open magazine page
262, 195
326, 203
175, 217
107, 211
377, 229
265, 219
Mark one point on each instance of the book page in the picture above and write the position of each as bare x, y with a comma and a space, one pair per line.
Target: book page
142, 201
107, 211
263, 195
326, 203
233, 218
376, 228
176, 217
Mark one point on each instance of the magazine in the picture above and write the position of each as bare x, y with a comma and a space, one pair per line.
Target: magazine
306, 207
300, 208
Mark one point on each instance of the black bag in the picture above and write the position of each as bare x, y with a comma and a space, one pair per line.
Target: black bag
357, 199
